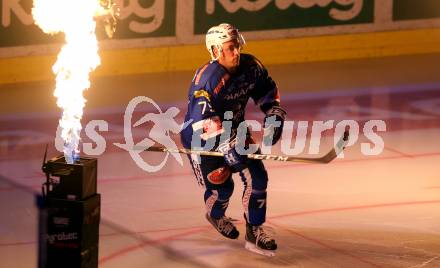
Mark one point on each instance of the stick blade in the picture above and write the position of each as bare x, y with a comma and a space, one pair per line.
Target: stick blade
339, 147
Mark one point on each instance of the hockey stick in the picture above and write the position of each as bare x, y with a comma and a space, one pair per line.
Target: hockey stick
328, 157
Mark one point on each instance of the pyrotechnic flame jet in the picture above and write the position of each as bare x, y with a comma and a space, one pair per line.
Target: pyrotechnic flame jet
77, 58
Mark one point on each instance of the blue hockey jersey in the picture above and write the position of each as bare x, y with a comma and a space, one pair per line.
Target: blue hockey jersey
214, 91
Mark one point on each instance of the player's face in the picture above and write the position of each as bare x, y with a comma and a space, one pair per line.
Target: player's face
230, 58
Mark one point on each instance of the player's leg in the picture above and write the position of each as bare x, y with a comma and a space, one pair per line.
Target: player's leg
218, 183
255, 202
254, 179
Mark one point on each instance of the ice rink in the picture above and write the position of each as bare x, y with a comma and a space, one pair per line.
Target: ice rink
362, 210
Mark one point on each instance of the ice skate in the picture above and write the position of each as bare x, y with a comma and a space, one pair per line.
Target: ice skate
258, 241
224, 226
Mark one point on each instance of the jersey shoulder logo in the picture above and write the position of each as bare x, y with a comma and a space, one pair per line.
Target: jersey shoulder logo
202, 93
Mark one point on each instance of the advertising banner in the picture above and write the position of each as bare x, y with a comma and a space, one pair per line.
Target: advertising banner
281, 14
420, 9
138, 19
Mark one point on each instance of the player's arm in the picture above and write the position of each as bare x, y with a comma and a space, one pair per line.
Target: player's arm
206, 123
267, 97
207, 131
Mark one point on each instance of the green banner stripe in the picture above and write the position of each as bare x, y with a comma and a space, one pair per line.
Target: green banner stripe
273, 16
139, 19
411, 9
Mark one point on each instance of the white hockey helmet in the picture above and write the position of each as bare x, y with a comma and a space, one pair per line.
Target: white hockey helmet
217, 35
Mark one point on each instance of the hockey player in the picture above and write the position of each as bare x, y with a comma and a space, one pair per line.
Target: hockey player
217, 99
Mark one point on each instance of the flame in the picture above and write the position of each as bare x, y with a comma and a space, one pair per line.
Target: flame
77, 58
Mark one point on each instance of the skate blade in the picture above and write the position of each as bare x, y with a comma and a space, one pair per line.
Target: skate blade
253, 248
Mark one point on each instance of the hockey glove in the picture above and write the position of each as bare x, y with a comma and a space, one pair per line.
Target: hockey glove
234, 159
273, 124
